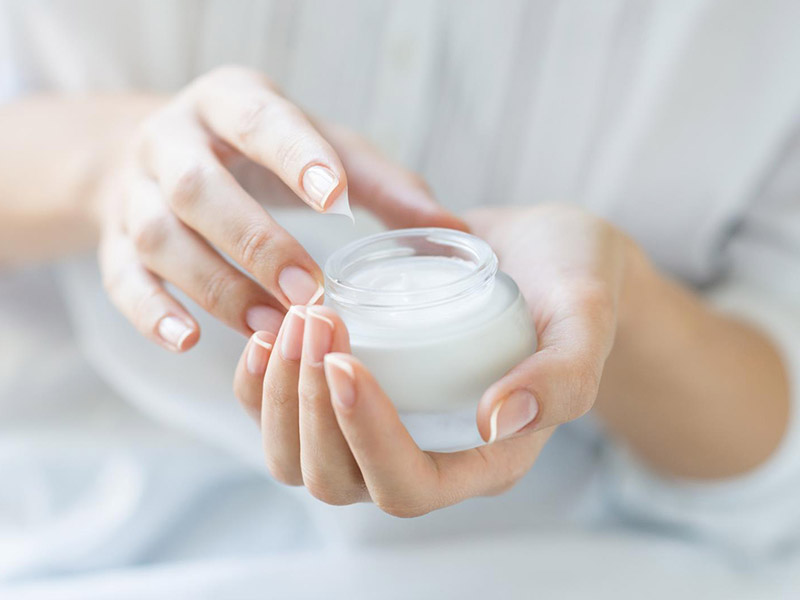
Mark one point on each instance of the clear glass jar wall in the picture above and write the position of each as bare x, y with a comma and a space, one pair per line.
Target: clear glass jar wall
435, 322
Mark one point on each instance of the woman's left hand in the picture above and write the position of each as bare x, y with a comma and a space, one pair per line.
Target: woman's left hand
326, 423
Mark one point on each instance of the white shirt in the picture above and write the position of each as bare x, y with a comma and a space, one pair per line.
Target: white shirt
677, 120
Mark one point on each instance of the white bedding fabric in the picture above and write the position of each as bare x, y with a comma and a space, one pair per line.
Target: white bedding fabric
126, 469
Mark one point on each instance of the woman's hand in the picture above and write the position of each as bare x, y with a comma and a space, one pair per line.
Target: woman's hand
578, 275
326, 423
171, 209
664, 367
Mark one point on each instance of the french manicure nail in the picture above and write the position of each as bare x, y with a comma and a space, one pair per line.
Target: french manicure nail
174, 331
299, 285
258, 352
264, 318
292, 335
318, 184
341, 380
512, 414
318, 336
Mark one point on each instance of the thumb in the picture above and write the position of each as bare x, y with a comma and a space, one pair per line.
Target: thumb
395, 195
557, 384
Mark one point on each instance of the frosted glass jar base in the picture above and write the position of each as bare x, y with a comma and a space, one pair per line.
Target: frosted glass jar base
443, 431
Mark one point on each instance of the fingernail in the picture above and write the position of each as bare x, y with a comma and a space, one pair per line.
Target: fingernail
341, 380
264, 318
319, 335
258, 352
174, 331
299, 286
318, 183
292, 336
512, 414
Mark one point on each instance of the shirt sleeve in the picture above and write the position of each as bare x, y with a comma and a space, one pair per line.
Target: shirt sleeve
756, 515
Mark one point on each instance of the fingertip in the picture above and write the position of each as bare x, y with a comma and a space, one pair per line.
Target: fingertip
177, 334
258, 350
189, 342
326, 313
263, 318
341, 338
265, 339
292, 332
340, 375
486, 406
322, 185
300, 286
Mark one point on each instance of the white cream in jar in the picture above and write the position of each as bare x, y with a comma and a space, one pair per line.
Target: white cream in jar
435, 322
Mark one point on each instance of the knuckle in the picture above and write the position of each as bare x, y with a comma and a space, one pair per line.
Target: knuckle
254, 114
505, 474
258, 110
216, 288
291, 151
312, 395
514, 472
277, 392
189, 185
151, 234
254, 246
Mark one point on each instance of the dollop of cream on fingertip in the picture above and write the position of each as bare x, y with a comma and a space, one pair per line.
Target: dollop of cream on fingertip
340, 206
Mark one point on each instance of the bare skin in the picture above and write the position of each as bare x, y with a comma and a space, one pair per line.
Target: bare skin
659, 367
149, 179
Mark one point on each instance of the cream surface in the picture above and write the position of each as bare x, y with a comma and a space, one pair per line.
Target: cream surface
410, 273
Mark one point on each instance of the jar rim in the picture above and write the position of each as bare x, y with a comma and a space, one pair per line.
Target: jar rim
403, 243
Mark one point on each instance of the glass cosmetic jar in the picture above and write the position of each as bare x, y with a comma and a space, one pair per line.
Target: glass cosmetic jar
435, 322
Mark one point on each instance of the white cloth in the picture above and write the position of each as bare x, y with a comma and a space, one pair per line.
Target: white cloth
676, 119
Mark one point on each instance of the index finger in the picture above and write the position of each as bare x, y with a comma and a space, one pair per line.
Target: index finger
243, 108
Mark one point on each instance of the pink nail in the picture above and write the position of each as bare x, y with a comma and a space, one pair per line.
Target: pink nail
174, 331
341, 380
318, 335
258, 352
512, 414
319, 183
292, 333
264, 318
299, 286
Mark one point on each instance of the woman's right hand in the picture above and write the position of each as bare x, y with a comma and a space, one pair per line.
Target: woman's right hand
171, 208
